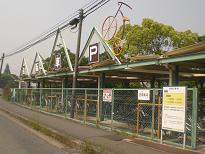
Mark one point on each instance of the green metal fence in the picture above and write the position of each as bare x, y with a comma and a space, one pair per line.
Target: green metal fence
125, 113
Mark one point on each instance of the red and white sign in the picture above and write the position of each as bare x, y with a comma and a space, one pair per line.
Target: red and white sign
107, 95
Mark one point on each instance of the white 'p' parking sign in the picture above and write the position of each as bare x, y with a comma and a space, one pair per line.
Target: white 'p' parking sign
94, 53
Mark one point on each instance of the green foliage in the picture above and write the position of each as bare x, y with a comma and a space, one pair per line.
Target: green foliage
8, 80
7, 69
63, 60
7, 93
201, 38
152, 37
89, 148
135, 85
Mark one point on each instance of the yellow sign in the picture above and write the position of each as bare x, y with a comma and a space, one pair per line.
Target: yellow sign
174, 109
174, 99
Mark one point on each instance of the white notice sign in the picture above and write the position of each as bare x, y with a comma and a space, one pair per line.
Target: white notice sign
144, 95
107, 95
174, 109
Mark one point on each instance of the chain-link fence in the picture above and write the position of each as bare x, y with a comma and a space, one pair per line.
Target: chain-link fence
126, 112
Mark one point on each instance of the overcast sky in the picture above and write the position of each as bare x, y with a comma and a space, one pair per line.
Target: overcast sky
23, 20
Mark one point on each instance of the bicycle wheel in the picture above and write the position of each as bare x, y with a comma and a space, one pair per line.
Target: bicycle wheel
118, 46
109, 28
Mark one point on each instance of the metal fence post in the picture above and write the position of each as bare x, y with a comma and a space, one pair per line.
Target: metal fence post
20, 96
194, 118
14, 95
40, 99
153, 113
112, 109
85, 106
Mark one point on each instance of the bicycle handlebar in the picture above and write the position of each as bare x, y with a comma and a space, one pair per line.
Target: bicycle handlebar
122, 3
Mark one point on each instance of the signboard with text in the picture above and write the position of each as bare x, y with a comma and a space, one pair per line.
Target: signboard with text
37, 67
174, 109
107, 95
23, 70
144, 95
94, 53
58, 61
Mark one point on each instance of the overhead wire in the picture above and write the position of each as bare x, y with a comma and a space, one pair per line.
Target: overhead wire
71, 16
62, 25
97, 7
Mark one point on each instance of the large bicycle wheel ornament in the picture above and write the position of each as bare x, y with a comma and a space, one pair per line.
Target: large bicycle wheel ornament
109, 28
118, 46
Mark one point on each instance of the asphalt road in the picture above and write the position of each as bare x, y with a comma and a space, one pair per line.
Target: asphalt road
15, 139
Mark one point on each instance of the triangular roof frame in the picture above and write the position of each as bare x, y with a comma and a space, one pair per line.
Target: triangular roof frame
65, 50
106, 46
40, 63
26, 68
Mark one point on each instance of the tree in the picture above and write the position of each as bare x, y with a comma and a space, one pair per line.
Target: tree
201, 38
7, 69
152, 37
64, 60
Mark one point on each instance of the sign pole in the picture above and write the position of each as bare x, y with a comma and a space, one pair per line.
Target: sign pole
174, 110
184, 141
161, 139
2, 62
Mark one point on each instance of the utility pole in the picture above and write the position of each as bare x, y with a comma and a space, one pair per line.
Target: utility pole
76, 64
2, 62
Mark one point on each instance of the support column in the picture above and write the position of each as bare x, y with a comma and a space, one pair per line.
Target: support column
65, 94
29, 84
38, 84
19, 84
43, 83
159, 84
101, 84
152, 84
174, 75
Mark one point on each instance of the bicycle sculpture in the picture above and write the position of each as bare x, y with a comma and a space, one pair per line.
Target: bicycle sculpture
110, 27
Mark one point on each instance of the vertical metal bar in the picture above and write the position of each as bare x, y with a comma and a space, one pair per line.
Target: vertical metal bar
112, 110
138, 118
101, 85
62, 91
85, 106
194, 118
161, 138
184, 140
65, 99
14, 95
51, 102
2, 62
19, 84
153, 113
97, 113
40, 98
158, 117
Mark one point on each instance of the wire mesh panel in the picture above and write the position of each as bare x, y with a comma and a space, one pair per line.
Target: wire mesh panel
126, 111
190, 126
